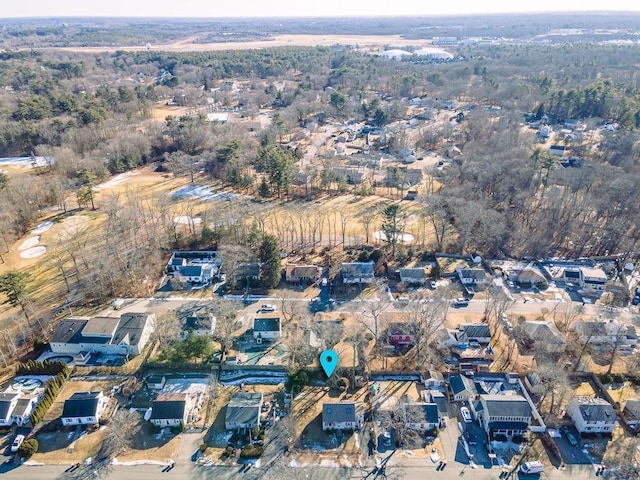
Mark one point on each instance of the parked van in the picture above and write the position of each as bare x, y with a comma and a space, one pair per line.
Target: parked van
530, 468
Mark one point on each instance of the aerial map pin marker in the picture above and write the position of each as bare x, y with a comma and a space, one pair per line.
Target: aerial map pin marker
329, 361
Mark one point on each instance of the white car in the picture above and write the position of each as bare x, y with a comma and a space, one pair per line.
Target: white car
433, 284
466, 414
267, 308
16, 443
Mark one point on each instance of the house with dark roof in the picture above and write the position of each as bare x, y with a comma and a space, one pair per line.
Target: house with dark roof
474, 333
472, 276
342, 416
529, 277
298, 273
156, 382
84, 408
413, 276
357, 272
243, 411
632, 413
507, 415
267, 327
171, 410
420, 416
8, 402
591, 415
438, 397
123, 335
23, 409
199, 324
462, 387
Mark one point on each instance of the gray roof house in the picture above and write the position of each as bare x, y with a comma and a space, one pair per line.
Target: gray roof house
171, 409
84, 408
22, 411
475, 332
414, 276
438, 397
462, 387
357, 272
200, 325
243, 411
591, 415
342, 416
505, 414
267, 328
545, 335
632, 412
472, 276
421, 416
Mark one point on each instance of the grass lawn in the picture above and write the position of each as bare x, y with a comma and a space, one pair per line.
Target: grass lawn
65, 446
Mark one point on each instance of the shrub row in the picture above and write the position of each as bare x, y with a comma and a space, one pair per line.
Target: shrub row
50, 393
42, 368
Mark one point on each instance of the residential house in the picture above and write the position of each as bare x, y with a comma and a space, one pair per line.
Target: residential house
606, 333
534, 383
400, 333
593, 280
439, 398
357, 272
462, 387
84, 408
420, 416
22, 411
156, 382
246, 274
8, 402
473, 333
591, 415
342, 416
403, 177
268, 327
530, 278
472, 276
200, 325
507, 415
544, 335
413, 276
171, 410
632, 413
195, 266
434, 380
124, 335
305, 274
243, 411
559, 150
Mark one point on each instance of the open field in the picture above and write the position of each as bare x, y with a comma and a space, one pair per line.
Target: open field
377, 42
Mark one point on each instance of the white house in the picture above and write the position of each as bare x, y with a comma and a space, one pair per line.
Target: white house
23, 409
171, 410
243, 411
357, 272
591, 415
472, 276
342, 416
267, 328
195, 266
462, 387
413, 276
84, 408
8, 402
124, 335
592, 279
421, 416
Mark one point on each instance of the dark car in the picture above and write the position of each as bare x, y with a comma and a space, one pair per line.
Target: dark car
570, 436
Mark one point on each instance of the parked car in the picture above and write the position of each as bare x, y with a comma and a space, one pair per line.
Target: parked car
466, 414
267, 308
433, 284
17, 442
460, 302
529, 468
570, 436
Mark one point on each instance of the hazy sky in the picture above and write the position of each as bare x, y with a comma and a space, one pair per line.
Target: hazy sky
261, 8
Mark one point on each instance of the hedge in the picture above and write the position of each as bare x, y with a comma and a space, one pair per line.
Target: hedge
50, 392
28, 448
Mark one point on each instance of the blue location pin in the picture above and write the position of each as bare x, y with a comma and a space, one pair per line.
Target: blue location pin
329, 361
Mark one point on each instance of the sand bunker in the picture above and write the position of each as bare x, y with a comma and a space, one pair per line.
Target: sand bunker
29, 242
34, 252
42, 227
185, 220
401, 237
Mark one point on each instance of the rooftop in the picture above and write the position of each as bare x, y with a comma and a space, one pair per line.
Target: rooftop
81, 404
341, 412
506, 406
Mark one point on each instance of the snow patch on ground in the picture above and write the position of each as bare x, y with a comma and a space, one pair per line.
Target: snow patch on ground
42, 227
29, 242
401, 237
202, 193
138, 462
117, 180
33, 162
186, 220
34, 252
